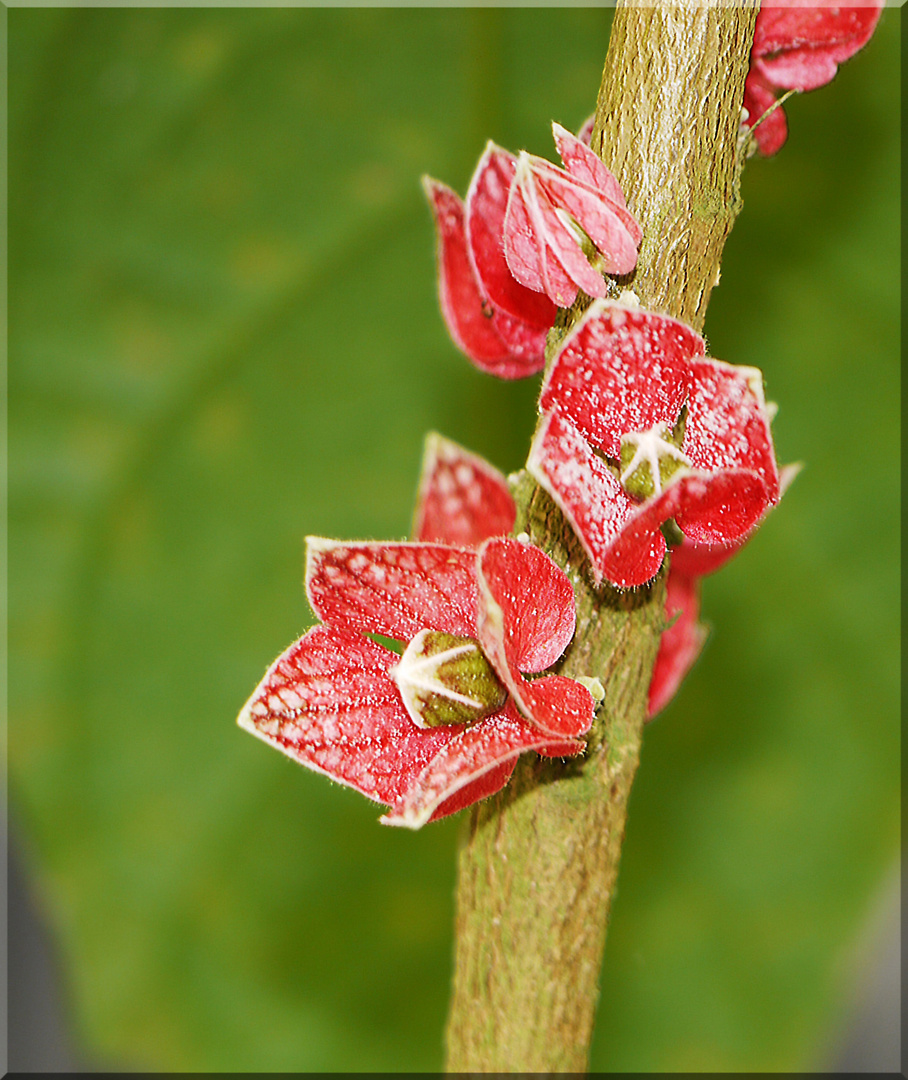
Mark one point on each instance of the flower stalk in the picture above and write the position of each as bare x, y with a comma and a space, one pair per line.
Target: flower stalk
539, 860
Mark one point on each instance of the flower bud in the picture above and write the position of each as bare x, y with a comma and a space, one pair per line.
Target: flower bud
649, 459
445, 679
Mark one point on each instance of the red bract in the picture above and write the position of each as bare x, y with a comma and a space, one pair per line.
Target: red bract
558, 220
516, 249
462, 499
639, 427
798, 46
682, 642
499, 343
344, 705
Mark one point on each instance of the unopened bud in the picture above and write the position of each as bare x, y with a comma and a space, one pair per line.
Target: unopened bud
649, 459
444, 679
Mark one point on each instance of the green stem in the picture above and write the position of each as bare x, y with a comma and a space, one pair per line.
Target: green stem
538, 864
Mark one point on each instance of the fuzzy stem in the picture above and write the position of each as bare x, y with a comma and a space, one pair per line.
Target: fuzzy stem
538, 864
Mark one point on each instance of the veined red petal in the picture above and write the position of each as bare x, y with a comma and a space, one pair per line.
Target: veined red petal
606, 224
462, 499
680, 644
392, 589
727, 423
535, 598
470, 755
591, 498
486, 205
580, 161
328, 703
540, 251
621, 370
467, 314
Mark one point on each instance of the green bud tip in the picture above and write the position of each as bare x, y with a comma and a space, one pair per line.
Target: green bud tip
649, 460
446, 679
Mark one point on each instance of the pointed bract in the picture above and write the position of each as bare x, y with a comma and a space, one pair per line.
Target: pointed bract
462, 499
486, 206
495, 341
680, 644
585, 166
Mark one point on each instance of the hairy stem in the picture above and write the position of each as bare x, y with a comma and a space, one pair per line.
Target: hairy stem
538, 864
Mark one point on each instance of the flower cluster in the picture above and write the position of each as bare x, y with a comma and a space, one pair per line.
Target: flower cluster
431, 669
529, 236
798, 46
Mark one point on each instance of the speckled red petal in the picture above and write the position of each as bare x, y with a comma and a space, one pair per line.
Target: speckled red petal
680, 644
727, 423
486, 205
468, 318
583, 165
801, 45
462, 499
525, 343
472, 754
591, 498
392, 589
540, 252
719, 507
621, 370
328, 703
535, 599
475, 791
558, 705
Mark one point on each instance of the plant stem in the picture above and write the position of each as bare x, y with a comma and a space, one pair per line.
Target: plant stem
537, 867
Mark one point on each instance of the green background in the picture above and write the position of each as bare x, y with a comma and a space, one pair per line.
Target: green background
224, 336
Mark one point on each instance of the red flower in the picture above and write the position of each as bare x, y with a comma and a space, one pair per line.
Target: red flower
441, 726
798, 46
640, 427
517, 249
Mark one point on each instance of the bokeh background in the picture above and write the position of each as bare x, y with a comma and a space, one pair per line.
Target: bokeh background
224, 336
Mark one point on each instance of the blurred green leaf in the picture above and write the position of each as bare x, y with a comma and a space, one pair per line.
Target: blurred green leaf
224, 336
